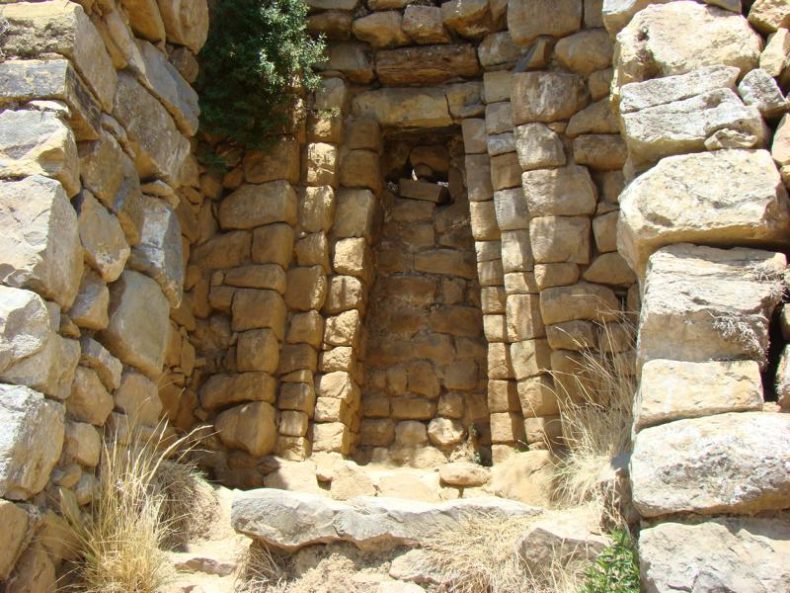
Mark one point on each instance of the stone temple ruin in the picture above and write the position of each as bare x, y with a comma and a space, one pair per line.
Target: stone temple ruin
476, 193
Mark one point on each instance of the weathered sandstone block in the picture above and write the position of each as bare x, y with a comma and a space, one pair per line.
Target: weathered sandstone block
418, 108
426, 65
103, 239
256, 205
567, 191
547, 96
221, 391
674, 467
528, 19
40, 245
249, 427
186, 22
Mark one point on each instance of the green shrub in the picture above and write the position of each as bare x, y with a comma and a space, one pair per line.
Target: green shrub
616, 570
257, 61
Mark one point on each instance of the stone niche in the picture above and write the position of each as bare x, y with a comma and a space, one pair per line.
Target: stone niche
424, 399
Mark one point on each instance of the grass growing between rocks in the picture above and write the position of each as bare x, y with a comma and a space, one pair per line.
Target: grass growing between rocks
596, 410
143, 498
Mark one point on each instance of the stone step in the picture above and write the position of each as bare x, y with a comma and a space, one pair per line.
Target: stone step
292, 520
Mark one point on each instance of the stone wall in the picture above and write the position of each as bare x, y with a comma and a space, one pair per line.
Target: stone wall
287, 247
699, 91
96, 173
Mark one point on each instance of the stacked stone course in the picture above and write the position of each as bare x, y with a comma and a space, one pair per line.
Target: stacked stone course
95, 170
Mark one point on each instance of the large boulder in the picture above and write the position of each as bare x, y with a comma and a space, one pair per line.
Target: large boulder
292, 520
30, 442
138, 329
529, 19
40, 244
249, 427
727, 197
714, 119
744, 554
673, 38
701, 303
728, 463
38, 143
671, 390
403, 107
186, 22
159, 252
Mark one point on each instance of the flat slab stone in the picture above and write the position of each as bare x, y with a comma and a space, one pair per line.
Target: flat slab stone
293, 520
701, 304
727, 463
744, 554
422, 190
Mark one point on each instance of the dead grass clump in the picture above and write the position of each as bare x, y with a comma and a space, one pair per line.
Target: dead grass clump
596, 413
120, 535
480, 556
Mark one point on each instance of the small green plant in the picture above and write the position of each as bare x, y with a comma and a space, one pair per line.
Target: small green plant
616, 570
257, 61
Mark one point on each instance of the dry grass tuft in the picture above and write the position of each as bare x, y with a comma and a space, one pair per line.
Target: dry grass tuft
480, 556
121, 534
596, 409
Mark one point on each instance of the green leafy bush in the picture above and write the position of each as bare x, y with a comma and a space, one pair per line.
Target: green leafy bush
257, 60
616, 570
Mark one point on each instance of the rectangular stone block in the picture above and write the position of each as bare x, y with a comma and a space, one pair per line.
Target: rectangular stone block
530, 358
557, 239
297, 396
332, 437
502, 396
523, 316
253, 309
537, 397
507, 427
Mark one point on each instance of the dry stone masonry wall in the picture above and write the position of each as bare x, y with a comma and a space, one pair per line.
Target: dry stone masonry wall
699, 91
95, 169
410, 274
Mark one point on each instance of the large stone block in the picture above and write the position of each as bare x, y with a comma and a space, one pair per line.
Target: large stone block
585, 52
278, 162
529, 19
560, 239
355, 213
40, 245
222, 391
138, 397
317, 208
530, 358
38, 143
253, 309
728, 463
351, 59
26, 80
677, 37
139, 313
424, 24
89, 310
701, 303
16, 522
159, 252
61, 27
745, 554
470, 19
547, 96
538, 147
89, 400
581, 301
714, 119
30, 443
671, 390
249, 427
160, 147
567, 191
727, 197
426, 65
167, 84
103, 240
380, 29
307, 288
404, 108
524, 321
512, 211
185, 21
256, 205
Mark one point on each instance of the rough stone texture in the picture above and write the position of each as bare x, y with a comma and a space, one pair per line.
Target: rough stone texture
15, 521
138, 397
30, 442
89, 400
581, 301
722, 554
558, 239
758, 88
585, 52
255, 205
221, 391
249, 427
690, 124
380, 29
23, 80
671, 390
528, 19
161, 148
538, 147
38, 143
40, 245
546, 96
103, 239
186, 22
137, 333
567, 191
90, 307
725, 197
69, 32
728, 463
463, 474
701, 303
572, 538
426, 65
678, 37
768, 15
290, 521
424, 24
418, 108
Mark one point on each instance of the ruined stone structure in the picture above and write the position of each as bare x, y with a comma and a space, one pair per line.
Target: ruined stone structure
410, 275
